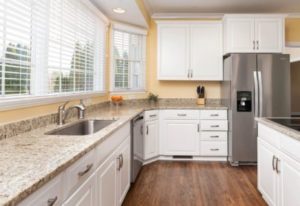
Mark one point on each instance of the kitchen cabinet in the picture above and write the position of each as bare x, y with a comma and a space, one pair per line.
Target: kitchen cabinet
150, 134
253, 33
190, 50
267, 176
278, 167
85, 195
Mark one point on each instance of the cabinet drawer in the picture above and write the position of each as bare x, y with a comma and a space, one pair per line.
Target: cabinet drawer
49, 194
290, 146
269, 135
214, 125
77, 173
213, 148
151, 115
213, 136
213, 114
181, 114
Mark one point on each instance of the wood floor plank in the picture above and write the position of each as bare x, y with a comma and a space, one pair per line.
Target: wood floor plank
195, 184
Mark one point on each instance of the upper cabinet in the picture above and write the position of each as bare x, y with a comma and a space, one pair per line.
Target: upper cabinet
253, 34
190, 50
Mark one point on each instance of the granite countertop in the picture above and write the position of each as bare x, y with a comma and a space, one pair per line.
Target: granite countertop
280, 128
29, 160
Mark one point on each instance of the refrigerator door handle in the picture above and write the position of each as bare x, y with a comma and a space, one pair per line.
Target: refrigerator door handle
260, 87
255, 94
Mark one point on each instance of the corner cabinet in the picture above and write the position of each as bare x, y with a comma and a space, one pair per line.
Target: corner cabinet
190, 50
253, 33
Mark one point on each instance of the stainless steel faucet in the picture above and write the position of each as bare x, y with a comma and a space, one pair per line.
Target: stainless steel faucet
63, 112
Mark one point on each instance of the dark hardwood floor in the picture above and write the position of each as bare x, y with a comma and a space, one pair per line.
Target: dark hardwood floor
195, 184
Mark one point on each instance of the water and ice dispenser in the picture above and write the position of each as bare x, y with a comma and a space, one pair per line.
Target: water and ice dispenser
244, 101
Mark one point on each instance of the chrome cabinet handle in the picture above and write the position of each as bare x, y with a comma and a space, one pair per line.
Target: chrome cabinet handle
198, 127
277, 169
119, 162
257, 45
141, 130
52, 201
191, 73
88, 168
147, 129
215, 136
215, 126
122, 160
273, 162
214, 115
152, 115
253, 45
216, 149
181, 115
188, 75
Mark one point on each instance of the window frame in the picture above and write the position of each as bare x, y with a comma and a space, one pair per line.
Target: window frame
35, 98
131, 30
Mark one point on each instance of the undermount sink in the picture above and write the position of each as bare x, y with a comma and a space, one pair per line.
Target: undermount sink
84, 127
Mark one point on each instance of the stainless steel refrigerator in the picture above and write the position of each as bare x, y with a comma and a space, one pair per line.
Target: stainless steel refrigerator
255, 85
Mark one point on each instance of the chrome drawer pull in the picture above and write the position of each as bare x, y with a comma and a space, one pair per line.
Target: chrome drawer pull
88, 168
273, 162
215, 126
181, 115
214, 149
152, 115
52, 201
216, 136
214, 115
277, 169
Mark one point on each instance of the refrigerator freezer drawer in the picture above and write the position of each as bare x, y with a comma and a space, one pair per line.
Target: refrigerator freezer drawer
213, 136
214, 125
213, 148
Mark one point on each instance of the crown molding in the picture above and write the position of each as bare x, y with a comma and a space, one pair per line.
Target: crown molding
187, 15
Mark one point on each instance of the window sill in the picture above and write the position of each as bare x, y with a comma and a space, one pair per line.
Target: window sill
128, 92
10, 103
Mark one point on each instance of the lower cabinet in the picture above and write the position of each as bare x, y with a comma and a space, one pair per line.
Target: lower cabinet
150, 139
85, 195
278, 168
181, 137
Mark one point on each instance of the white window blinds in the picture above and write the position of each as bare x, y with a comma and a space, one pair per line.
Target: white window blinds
15, 47
51, 47
73, 47
128, 61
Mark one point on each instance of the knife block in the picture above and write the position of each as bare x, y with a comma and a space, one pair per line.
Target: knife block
201, 101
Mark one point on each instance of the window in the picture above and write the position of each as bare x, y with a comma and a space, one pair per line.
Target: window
128, 61
50, 47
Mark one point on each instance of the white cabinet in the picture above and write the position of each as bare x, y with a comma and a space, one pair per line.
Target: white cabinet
179, 132
267, 176
289, 181
190, 50
206, 57
49, 194
123, 174
151, 139
278, 167
107, 182
85, 195
173, 51
253, 33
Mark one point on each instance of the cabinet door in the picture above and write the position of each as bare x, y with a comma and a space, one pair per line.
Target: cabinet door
123, 180
289, 181
269, 35
266, 174
151, 139
172, 52
85, 195
240, 35
206, 51
107, 182
181, 137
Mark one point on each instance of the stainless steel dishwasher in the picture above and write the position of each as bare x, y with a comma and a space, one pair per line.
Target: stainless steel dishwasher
137, 146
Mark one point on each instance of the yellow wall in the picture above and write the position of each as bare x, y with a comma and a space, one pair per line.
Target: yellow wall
292, 30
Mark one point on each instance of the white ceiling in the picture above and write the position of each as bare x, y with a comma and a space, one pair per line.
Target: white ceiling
132, 15
223, 6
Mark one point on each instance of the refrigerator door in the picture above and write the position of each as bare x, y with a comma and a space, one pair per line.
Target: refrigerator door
274, 85
242, 128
